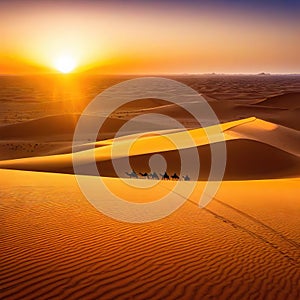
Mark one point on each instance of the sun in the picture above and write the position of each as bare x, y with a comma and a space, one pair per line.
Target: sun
65, 63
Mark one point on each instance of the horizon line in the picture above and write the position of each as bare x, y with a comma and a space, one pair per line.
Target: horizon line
150, 74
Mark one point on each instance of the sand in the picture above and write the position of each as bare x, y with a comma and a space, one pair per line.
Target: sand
243, 245
56, 245
256, 149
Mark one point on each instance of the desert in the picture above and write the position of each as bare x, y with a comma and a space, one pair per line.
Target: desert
56, 245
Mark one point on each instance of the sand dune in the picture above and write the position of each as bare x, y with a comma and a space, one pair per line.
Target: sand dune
269, 133
56, 245
104, 152
246, 159
54, 134
46, 127
283, 110
140, 104
59, 127
223, 109
255, 149
280, 109
288, 118
286, 100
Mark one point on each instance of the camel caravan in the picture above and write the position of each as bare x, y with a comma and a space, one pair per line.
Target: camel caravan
154, 175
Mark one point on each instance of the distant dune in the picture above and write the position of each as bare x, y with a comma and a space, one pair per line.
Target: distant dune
286, 100
45, 128
61, 127
282, 109
278, 109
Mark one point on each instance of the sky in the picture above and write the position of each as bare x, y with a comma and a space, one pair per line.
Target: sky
151, 37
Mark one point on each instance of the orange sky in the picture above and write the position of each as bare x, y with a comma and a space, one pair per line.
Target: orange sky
146, 38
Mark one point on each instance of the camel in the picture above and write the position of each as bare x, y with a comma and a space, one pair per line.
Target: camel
186, 178
132, 174
165, 176
154, 175
145, 175
175, 176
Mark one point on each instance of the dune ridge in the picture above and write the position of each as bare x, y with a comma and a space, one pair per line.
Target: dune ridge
255, 149
281, 137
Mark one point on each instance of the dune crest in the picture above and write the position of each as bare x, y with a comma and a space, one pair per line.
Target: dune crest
255, 149
281, 137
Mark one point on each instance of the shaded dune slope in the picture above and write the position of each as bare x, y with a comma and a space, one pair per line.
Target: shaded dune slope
281, 137
286, 100
246, 159
61, 127
282, 109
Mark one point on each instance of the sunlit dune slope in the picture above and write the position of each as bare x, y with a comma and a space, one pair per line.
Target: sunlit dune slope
281, 137
255, 149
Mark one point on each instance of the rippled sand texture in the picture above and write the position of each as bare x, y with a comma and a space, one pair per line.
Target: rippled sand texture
56, 245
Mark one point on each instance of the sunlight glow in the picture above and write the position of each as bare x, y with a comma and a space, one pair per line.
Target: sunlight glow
108, 38
65, 63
